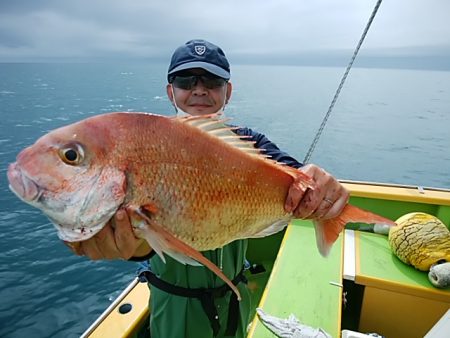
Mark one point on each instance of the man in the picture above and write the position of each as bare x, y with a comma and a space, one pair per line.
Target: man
198, 84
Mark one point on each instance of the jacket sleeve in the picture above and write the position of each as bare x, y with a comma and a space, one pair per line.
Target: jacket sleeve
271, 148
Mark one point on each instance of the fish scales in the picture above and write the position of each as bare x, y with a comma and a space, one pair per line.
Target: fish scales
207, 192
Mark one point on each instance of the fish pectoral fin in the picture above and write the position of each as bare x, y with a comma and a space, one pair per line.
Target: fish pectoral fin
157, 237
162, 241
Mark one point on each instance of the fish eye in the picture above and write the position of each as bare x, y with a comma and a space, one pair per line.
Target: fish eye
72, 154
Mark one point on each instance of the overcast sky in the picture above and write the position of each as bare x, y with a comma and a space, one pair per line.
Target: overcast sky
33, 29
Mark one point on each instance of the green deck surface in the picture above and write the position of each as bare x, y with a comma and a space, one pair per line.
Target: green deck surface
395, 209
300, 282
379, 263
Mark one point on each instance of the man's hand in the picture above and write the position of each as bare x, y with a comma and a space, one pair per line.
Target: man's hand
326, 201
115, 240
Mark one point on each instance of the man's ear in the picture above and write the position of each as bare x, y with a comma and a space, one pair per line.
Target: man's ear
229, 90
169, 92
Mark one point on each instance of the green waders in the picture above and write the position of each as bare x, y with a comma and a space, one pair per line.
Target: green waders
184, 317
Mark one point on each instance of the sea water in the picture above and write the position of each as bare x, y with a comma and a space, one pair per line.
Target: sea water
388, 125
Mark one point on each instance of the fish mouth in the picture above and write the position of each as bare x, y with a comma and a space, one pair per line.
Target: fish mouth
24, 187
69, 233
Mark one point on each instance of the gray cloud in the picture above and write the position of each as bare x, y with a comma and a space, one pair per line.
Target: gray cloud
275, 29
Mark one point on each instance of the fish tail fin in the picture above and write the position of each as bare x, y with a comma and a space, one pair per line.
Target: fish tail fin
162, 241
327, 231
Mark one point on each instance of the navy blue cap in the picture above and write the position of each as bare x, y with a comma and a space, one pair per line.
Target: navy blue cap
200, 54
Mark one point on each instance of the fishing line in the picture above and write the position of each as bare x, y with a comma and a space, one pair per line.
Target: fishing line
341, 84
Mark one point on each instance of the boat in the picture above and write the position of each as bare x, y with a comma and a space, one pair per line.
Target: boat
360, 287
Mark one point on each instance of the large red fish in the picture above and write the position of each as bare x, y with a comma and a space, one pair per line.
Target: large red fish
190, 183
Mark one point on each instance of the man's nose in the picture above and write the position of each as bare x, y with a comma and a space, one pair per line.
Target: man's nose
199, 88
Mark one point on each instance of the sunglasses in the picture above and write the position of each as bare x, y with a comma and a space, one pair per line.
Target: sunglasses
190, 81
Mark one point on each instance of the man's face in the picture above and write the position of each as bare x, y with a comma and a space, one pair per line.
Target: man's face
203, 97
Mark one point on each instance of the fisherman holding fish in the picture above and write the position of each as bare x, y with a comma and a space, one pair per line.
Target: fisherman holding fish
184, 193
198, 84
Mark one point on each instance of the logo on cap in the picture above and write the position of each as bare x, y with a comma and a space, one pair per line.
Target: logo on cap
200, 49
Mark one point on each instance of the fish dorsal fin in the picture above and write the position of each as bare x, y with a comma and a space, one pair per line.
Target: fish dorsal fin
214, 124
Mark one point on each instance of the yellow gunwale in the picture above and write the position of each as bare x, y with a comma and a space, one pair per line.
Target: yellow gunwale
112, 323
398, 192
